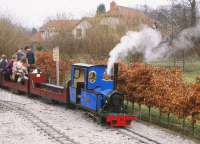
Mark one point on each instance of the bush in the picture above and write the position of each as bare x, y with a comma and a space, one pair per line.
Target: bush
160, 87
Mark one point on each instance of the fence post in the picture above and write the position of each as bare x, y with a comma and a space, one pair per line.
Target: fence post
193, 124
193, 127
183, 60
149, 113
160, 114
133, 107
127, 98
183, 126
168, 115
140, 111
174, 60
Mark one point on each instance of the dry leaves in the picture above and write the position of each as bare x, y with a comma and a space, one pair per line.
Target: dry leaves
160, 87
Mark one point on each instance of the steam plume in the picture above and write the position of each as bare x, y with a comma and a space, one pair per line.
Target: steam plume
150, 43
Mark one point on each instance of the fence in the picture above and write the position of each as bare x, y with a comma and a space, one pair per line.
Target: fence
167, 120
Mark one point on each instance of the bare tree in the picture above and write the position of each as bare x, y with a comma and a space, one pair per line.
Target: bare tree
192, 4
12, 36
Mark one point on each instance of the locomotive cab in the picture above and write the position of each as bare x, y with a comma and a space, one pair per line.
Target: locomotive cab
92, 90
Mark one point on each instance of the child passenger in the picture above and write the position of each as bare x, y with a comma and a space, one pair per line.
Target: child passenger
20, 70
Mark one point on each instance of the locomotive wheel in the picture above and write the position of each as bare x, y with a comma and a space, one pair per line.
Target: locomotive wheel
15, 91
101, 121
54, 102
70, 106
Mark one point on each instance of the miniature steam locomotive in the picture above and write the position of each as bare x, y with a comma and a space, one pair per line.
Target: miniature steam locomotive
89, 89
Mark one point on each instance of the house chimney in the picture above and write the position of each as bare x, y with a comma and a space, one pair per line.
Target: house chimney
113, 6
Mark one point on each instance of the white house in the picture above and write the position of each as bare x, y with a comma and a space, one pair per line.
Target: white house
53, 27
80, 31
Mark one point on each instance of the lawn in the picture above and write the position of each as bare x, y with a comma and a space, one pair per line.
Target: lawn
191, 71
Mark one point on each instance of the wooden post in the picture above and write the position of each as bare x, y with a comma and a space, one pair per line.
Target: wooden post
168, 119
56, 59
149, 113
174, 60
127, 98
193, 124
57, 73
133, 107
183, 60
183, 124
160, 114
140, 111
193, 127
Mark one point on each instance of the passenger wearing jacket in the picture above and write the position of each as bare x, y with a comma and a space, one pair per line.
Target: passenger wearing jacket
30, 56
3, 62
21, 54
9, 67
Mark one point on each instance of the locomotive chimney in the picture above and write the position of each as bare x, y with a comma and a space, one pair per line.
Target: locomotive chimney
115, 75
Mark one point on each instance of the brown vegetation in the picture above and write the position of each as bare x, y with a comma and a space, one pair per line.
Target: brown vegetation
161, 88
97, 44
12, 36
48, 66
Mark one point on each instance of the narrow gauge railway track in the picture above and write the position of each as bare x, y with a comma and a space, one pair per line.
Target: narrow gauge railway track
42, 126
141, 138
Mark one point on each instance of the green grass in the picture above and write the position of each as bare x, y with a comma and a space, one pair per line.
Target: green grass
191, 71
190, 77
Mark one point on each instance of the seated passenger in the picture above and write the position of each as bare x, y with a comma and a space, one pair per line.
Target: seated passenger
20, 71
8, 69
3, 62
25, 68
14, 69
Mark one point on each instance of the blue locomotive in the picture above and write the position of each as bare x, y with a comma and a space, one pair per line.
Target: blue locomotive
93, 90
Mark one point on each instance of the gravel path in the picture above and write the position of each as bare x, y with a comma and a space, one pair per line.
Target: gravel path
16, 129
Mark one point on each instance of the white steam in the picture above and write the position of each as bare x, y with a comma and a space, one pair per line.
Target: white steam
150, 43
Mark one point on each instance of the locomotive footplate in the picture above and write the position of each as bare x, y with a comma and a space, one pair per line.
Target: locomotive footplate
119, 120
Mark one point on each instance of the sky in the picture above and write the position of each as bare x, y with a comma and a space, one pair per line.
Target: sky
33, 13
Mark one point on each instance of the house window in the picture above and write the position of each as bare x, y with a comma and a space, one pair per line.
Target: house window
79, 33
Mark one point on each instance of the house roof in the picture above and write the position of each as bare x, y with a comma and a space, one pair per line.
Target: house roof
59, 25
127, 13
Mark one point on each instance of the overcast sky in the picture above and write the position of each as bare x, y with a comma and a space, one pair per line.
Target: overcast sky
33, 13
